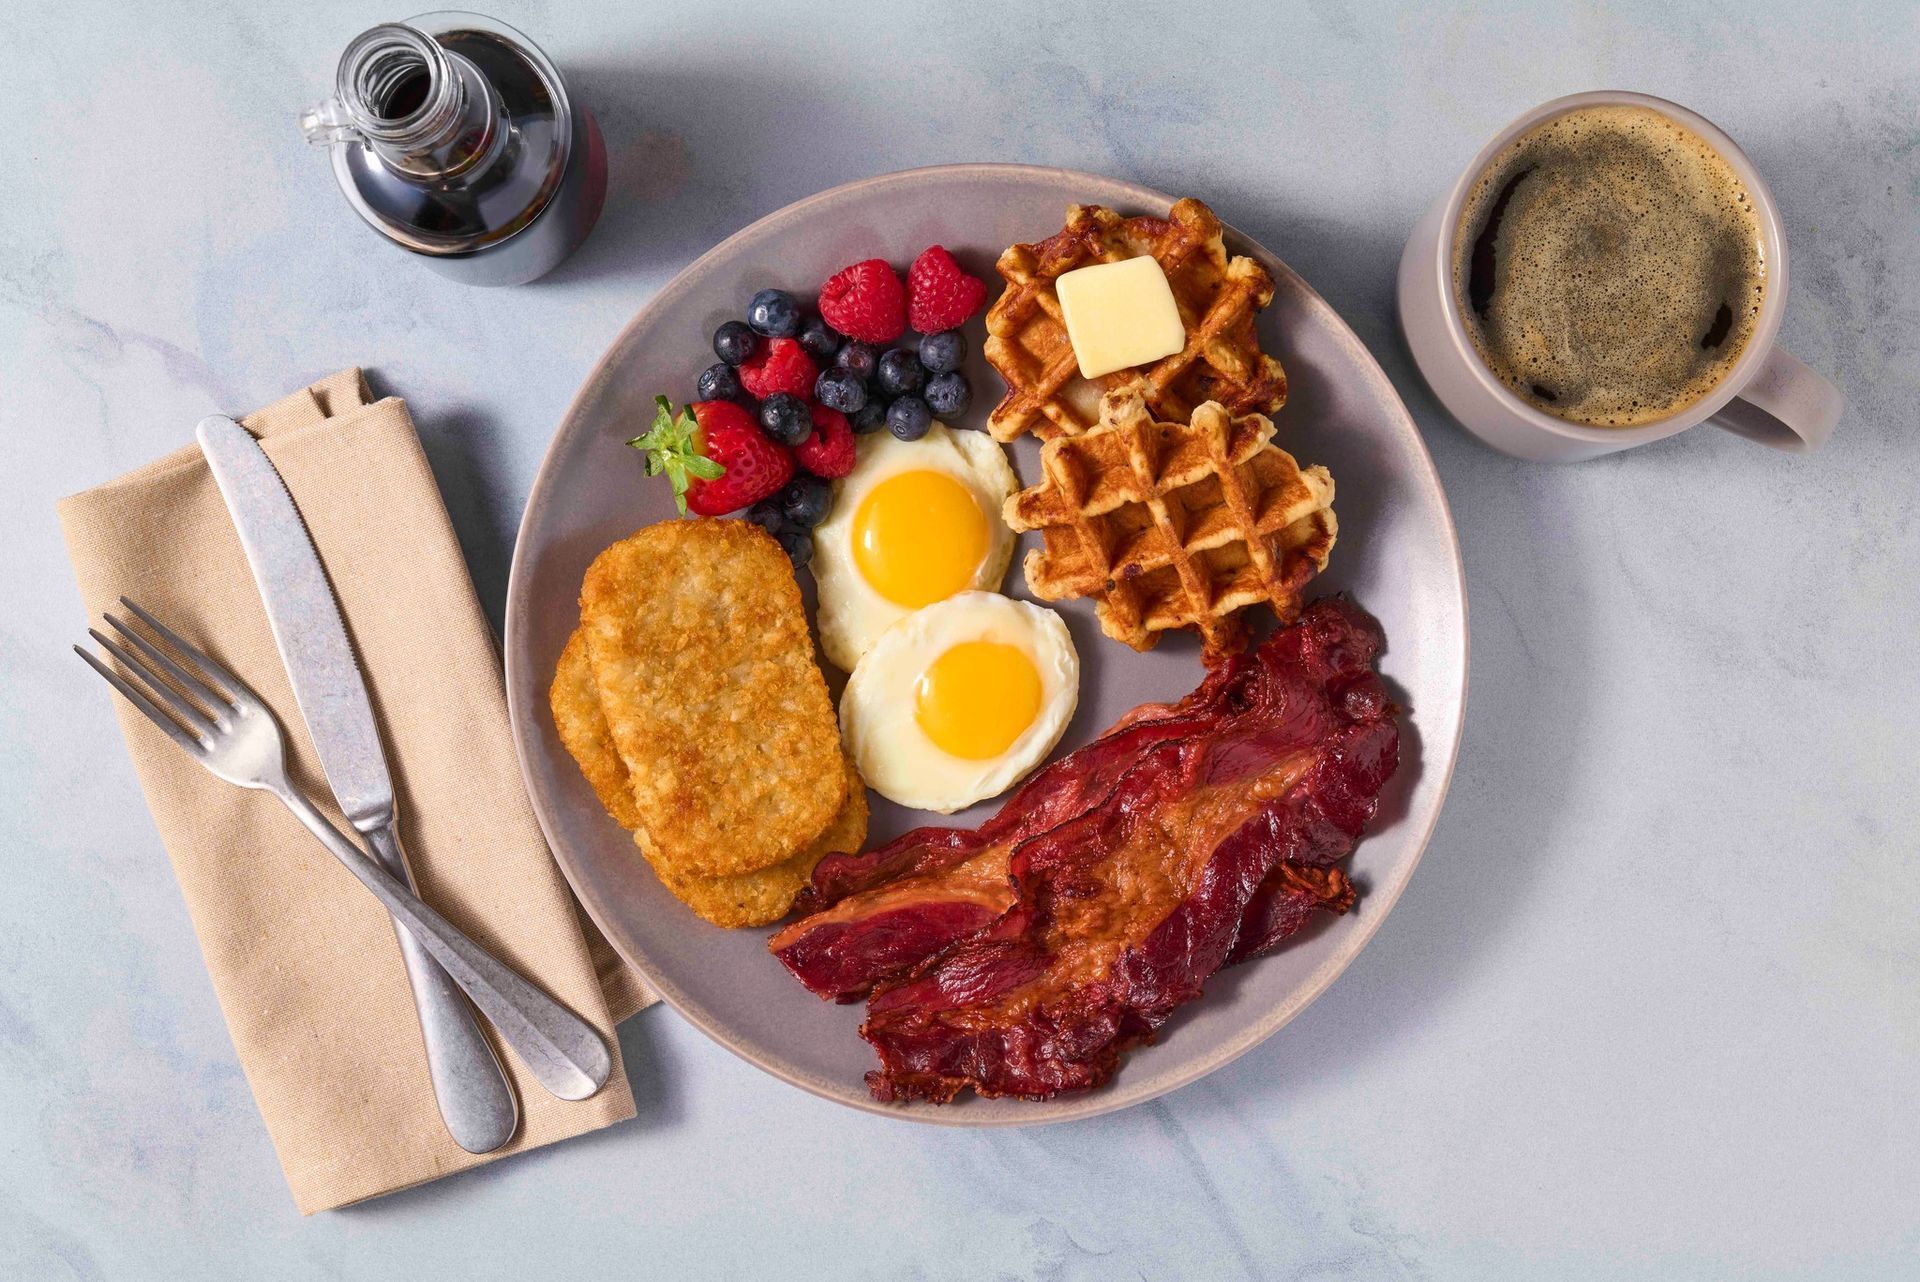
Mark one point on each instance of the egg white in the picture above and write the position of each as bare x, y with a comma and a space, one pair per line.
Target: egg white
881, 733
852, 614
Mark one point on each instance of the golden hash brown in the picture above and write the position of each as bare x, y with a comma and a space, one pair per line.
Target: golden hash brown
583, 729
764, 895
739, 899
705, 668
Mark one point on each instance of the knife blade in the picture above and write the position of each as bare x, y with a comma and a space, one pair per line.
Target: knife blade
306, 622
475, 1098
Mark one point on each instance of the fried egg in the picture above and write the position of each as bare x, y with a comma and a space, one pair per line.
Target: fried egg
912, 524
958, 700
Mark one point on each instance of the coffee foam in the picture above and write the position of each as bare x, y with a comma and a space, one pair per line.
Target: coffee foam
1609, 266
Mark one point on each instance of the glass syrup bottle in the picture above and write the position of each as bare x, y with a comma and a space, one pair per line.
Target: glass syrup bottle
456, 139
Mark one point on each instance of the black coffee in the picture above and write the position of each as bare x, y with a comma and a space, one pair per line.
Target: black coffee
1609, 266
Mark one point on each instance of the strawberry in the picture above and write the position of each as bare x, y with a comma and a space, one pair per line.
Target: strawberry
781, 366
716, 458
829, 451
865, 301
940, 296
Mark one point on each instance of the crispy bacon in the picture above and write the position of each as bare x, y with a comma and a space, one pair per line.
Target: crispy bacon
1022, 957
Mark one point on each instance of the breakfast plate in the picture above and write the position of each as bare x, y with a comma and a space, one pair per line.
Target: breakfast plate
1397, 556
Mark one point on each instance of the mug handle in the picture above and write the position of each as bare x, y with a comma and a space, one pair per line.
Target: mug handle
1785, 405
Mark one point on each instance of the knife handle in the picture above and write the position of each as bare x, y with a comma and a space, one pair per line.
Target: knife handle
476, 1099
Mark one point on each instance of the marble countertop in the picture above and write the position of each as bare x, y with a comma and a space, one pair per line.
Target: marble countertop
1651, 1006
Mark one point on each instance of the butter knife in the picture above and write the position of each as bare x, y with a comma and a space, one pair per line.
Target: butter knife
476, 1100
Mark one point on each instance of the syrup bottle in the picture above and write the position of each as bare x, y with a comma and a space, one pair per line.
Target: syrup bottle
456, 139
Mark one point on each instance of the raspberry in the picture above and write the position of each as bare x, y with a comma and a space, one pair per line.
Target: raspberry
865, 301
783, 366
829, 451
939, 295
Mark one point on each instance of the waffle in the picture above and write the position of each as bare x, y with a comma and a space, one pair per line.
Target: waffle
1175, 525
1218, 297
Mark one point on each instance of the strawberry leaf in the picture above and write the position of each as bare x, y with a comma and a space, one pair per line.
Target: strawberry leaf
674, 449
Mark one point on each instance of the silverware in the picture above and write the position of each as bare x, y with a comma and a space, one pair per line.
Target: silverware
226, 727
476, 1100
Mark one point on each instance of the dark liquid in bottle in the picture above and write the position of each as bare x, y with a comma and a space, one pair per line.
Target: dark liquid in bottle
406, 97
512, 190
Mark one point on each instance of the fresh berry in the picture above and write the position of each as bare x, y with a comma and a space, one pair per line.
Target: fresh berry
768, 514
714, 457
870, 417
948, 395
900, 373
734, 342
939, 295
866, 301
944, 352
858, 357
840, 389
909, 418
781, 367
784, 417
828, 449
719, 382
798, 545
818, 338
774, 312
805, 502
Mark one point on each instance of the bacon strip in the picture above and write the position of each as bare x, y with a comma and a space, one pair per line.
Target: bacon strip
865, 918
1023, 957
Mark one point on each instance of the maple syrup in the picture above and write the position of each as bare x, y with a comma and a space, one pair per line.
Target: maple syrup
454, 138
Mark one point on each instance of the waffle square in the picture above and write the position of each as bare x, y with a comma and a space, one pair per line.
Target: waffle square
1218, 298
1175, 524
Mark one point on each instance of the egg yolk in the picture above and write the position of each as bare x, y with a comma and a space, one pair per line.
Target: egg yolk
977, 698
918, 537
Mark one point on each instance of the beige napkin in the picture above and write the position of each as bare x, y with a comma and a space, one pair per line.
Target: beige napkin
302, 958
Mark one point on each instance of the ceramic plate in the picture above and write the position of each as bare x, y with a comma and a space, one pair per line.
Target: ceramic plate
1397, 555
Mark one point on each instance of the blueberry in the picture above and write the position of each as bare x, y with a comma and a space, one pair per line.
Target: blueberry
909, 418
900, 373
948, 394
798, 545
840, 389
767, 515
719, 382
806, 501
870, 417
734, 342
817, 339
774, 313
784, 417
858, 357
944, 352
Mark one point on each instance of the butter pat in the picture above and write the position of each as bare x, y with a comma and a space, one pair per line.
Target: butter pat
1119, 315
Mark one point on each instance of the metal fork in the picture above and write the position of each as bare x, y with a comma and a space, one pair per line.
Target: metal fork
228, 729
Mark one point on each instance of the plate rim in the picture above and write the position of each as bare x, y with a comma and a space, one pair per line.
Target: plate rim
1113, 1097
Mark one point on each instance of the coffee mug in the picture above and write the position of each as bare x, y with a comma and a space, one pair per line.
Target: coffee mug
1766, 395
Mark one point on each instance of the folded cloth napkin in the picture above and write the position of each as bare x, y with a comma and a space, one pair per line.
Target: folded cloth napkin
303, 960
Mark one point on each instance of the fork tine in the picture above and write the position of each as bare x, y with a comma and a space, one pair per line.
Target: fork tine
209, 698
177, 703
174, 731
229, 685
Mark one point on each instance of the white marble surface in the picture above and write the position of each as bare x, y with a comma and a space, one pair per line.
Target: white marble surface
1650, 1008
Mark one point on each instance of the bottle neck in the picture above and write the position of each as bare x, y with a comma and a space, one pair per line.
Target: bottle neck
429, 114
